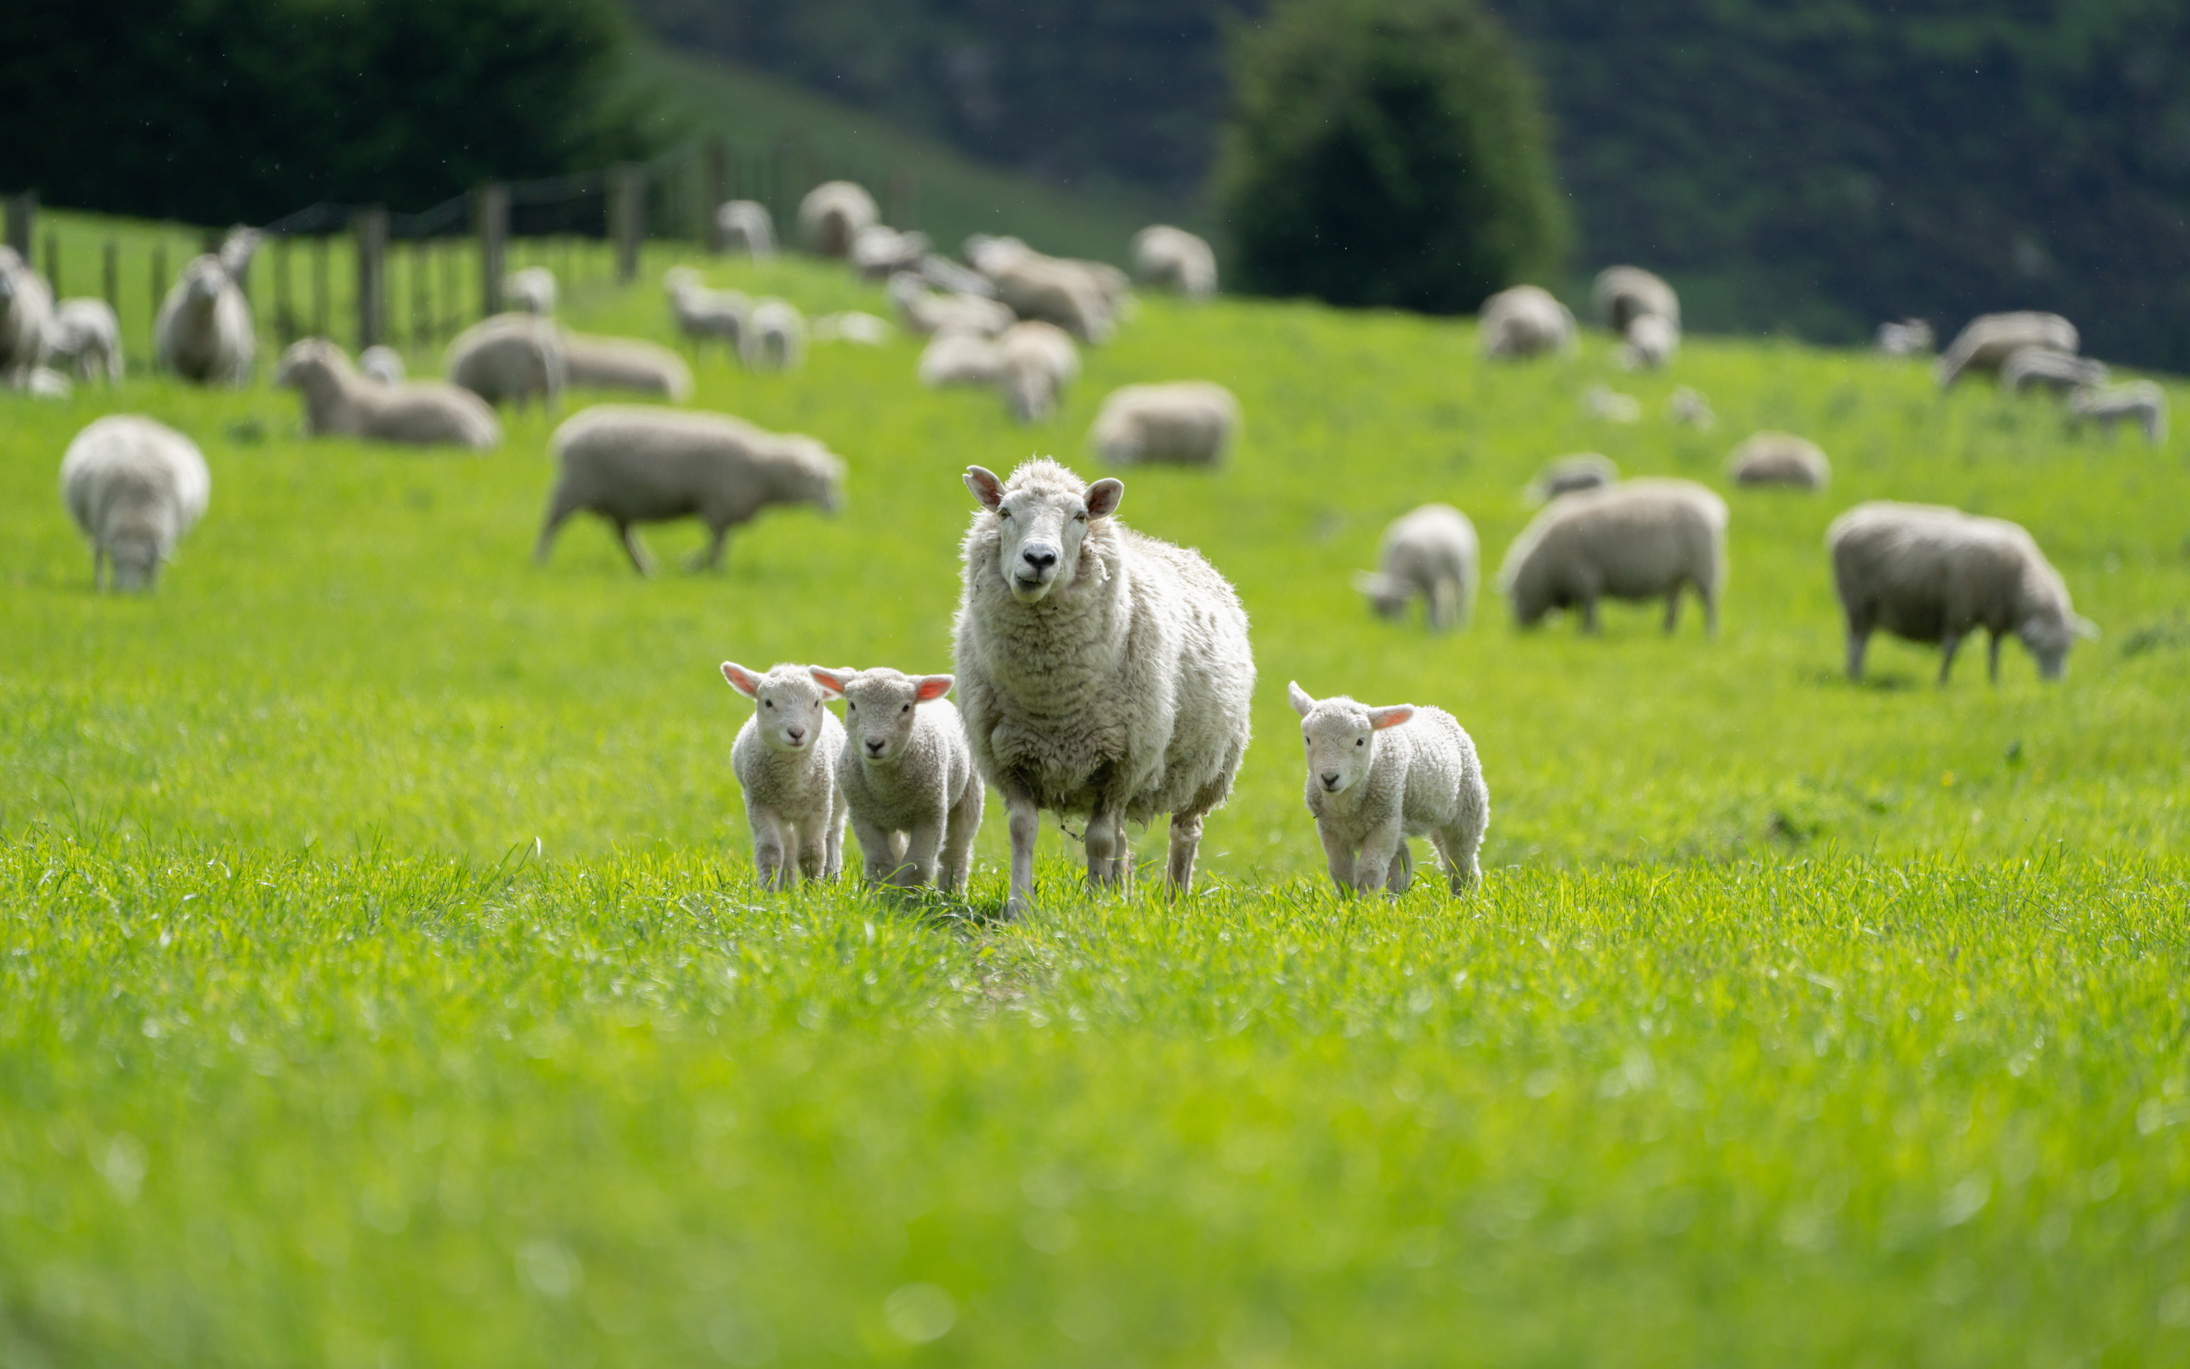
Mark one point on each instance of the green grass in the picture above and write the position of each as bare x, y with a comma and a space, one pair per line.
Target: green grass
383, 981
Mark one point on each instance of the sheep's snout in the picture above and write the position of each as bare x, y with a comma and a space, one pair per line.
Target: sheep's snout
795, 736
1330, 780
875, 747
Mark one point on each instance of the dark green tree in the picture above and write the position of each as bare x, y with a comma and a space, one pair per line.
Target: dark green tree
1386, 152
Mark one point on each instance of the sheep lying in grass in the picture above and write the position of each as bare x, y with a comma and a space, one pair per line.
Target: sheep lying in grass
2140, 401
1622, 294
702, 313
382, 363
831, 216
338, 402
880, 251
1183, 423
1035, 361
26, 318
204, 332
1640, 539
134, 487
510, 357
785, 758
2059, 372
926, 313
1931, 574
774, 337
1377, 776
1690, 409
1990, 339
908, 775
1650, 345
1100, 672
87, 338
633, 464
1910, 337
746, 226
623, 363
1173, 259
1524, 321
960, 359
1432, 554
530, 291
1775, 458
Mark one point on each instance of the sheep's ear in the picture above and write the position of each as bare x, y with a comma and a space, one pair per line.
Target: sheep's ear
932, 687
832, 682
2085, 628
1299, 698
985, 486
1104, 496
1381, 718
742, 680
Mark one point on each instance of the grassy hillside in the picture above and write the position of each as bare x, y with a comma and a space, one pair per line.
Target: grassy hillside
384, 981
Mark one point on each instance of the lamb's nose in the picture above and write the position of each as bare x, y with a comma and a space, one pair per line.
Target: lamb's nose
1330, 779
1041, 558
874, 748
796, 734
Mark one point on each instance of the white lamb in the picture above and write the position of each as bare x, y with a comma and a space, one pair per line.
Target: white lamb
1173, 259
1566, 474
880, 251
1430, 553
2140, 401
908, 775
338, 402
2059, 372
831, 215
632, 464
1990, 339
1651, 344
510, 357
26, 318
87, 338
1930, 574
1035, 362
1640, 539
774, 338
625, 363
530, 291
382, 363
702, 313
203, 332
1776, 458
1524, 321
1377, 776
955, 358
1101, 672
1183, 423
1622, 294
785, 758
746, 226
134, 487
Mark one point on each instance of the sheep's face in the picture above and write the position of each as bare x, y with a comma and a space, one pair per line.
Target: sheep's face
203, 281
880, 708
1387, 594
1340, 737
2049, 637
1040, 530
304, 363
133, 546
1030, 391
789, 704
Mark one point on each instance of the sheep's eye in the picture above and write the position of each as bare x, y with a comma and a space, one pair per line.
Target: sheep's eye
905, 709
850, 707
1080, 517
1361, 741
767, 703
1003, 513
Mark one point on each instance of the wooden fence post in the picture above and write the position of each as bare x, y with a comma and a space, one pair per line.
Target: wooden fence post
714, 189
490, 207
627, 217
110, 274
372, 275
159, 278
22, 218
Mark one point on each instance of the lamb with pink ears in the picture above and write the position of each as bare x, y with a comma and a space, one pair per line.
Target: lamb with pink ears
908, 774
785, 758
1377, 776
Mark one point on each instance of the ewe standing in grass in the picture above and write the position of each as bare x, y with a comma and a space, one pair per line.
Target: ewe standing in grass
1622, 294
338, 402
1651, 344
1989, 340
908, 775
1173, 259
1643, 539
1524, 321
702, 313
1183, 423
774, 337
1102, 673
26, 318
2142, 402
832, 215
204, 332
1930, 574
785, 758
633, 465
510, 357
87, 338
1429, 554
1377, 776
134, 487
1775, 458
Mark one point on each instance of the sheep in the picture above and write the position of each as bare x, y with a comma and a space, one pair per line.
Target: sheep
1990, 339
382, 363
879, 251
831, 215
960, 359
925, 313
1173, 259
1775, 458
1183, 423
1639, 539
1603, 402
907, 771
746, 226
1910, 337
1930, 574
1651, 344
43, 382
1035, 362
1524, 321
1056, 291
1690, 409
2059, 372
622, 363
785, 757
1101, 672
530, 291
989, 255
203, 332
1377, 776
134, 487
88, 338
510, 357
2141, 400
634, 464
1566, 474
952, 279
340, 402
702, 313
774, 338
853, 326
26, 319
1622, 294
1431, 552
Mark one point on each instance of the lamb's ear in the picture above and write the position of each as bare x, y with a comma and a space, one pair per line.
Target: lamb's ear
1104, 496
1381, 718
1298, 698
929, 687
742, 680
832, 682
986, 487
2085, 628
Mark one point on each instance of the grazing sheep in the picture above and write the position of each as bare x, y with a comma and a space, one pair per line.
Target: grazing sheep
1651, 344
1183, 423
831, 216
702, 313
1690, 409
1057, 291
785, 758
1173, 259
1377, 776
1608, 404
746, 226
1930, 574
908, 774
1774, 458
1524, 321
960, 359
1910, 337
1431, 552
1990, 339
949, 277
26, 318
88, 338
340, 402
1101, 672
2140, 400
510, 357
633, 464
1622, 294
382, 363
530, 291
623, 363
1566, 474
134, 487
774, 338
853, 326
2059, 372
1640, 539
925, 313
1035, 362
880, 251
203, 332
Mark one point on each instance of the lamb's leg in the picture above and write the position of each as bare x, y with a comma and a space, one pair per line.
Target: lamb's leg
1459, 845
1378, 853
1401, 872
1672, 610
558, 510
917, 869
628, 534
1026, 824
1992, 659
709, 556
1441, 601
832, 861
1948, 645
769, 857
875, 843
813, 849
1337, 858
965, 821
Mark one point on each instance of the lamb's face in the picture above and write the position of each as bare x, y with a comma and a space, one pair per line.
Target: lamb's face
789, 704
880, 708
1040, 531
1340, 737
1387, 594
303, 363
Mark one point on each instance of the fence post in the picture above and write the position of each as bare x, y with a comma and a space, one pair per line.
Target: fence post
372, 275
714, 185
319, 286
285, 318
627, 217
53, 262
159, 278
110, 275
490, 206
421, 292
22, 216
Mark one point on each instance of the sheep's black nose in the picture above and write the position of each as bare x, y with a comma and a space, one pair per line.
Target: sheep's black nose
1041, 558
1330, 777
797, 734
874, 748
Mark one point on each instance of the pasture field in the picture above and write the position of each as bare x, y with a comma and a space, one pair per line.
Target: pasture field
383, 981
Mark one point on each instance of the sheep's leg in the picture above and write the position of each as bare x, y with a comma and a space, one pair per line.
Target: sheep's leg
1589, 614
1185, 843
1440, 605
813, 849
965, 821
876, 846
98, 569
1992, 659
1948, 645
1378, 854
769, 857
1710, 596
832, 861
709, 556
917, 869
1104, 841
1338, 858
628, 534
1858, 639
558, 510
1459, 845
1672, 610
1400, 873
1026, 824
